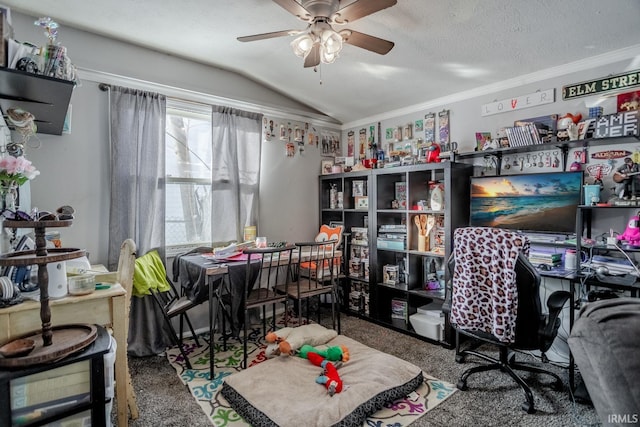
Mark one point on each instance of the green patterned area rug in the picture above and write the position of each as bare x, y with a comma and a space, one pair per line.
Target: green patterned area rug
400, 413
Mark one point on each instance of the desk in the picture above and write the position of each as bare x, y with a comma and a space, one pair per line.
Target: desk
104, 307
587, 280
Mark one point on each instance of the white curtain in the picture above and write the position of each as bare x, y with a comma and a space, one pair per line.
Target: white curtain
236, 139
138, 199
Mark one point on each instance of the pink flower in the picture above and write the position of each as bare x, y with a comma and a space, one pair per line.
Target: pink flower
16, 170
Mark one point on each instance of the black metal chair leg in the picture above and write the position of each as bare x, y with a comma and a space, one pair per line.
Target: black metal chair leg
193, 331
178, 343
528, 406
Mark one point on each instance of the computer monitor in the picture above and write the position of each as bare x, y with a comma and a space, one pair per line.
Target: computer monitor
535, 202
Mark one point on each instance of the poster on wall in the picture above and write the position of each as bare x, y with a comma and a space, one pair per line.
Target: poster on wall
312, 137
351, 140
388, 133
362, 144
330, 143
430, 128
291, 149
443, 126
629, 101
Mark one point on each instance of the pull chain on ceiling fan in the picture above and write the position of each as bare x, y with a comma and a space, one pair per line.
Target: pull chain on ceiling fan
320, 42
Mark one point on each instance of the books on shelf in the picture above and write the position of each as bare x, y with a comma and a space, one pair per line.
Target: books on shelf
393, 228
392, 236
525, 134
552, 259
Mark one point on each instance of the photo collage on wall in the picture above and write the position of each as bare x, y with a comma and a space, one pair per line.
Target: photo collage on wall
298, 136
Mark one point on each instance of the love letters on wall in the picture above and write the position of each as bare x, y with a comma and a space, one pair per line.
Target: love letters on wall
519, 102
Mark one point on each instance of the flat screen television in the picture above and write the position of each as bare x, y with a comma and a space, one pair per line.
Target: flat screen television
535, 202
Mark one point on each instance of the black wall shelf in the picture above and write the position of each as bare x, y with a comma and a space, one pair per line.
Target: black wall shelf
47, 98
563, 146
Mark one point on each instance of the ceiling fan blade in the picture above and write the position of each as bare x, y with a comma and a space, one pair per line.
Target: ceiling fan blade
313, 57
359, 9
295, 8
365, 41
269, 35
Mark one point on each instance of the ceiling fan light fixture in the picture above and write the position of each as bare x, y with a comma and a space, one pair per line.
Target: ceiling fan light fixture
327, 57
302, 45
331, 41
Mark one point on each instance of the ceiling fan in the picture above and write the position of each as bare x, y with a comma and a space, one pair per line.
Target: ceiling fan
319, 42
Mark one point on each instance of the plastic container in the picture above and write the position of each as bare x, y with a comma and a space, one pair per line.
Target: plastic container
81, 284
428, 326
591, 194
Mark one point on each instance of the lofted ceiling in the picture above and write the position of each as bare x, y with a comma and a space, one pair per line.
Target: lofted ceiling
441, 47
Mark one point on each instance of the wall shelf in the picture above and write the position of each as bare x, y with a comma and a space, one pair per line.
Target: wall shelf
47, 98
563, 146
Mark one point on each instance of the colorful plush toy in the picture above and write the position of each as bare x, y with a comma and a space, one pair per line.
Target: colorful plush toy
329, 376
332, 354
287, 341
632, 233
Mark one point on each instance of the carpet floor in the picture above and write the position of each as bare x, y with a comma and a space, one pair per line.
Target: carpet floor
492, 399
402, 412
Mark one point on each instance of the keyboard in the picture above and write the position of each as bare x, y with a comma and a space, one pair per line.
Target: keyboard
555, 272
623, 280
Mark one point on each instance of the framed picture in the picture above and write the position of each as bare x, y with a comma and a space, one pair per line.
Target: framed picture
325, 166
482, 138
388, 133
430, 128
362, 202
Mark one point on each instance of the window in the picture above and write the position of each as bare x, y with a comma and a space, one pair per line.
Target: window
188, 176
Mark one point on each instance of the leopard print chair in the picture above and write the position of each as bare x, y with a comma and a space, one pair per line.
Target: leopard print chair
495, 299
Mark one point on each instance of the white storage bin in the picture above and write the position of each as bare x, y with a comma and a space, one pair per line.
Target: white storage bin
432, 309
109, 369
428, 326
109, 383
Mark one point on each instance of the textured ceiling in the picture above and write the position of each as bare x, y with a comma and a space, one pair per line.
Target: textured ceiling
441, 47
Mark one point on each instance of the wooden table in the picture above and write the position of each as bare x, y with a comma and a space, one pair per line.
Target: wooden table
104, 307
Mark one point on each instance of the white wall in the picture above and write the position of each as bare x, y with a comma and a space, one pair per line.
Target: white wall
75, 167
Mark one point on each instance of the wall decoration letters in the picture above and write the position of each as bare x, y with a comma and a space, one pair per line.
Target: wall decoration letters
523, 101
620, 124
616, 83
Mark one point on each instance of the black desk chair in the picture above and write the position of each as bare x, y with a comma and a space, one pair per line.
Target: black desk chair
267, 270
495, 299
